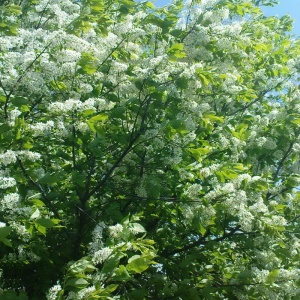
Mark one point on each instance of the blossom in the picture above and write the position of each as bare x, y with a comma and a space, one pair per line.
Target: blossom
53, 292
101, 255
7, 182
2, 224
97, 242
8, 157
193, 191
115, 230
82, 294
10, 201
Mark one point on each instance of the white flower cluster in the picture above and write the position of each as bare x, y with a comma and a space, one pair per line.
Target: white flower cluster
193, 191
267, 143
53, 292
25, 254
115, 230
207, 171
274, 221
207, 213
12, 116
10, 202
97, 236
267, 259
101, 255
141, 190
259, 206
28, 155
2, 224
8, 157
260, 275
40, 128
294, 246
20, 230
72, 105
7, 182
67, 55
86, 292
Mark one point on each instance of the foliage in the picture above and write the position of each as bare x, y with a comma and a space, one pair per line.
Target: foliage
148, 153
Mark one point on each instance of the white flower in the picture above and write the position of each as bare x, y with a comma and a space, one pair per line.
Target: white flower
115, 230
8, 157
259, 206
97, 243
12, 115
296, 147
193, 191
53, 292
6, 182
84, 293
2, 224
101, 255
10, 202
228, 188
141, 191
29, 155
40, 128
68, 56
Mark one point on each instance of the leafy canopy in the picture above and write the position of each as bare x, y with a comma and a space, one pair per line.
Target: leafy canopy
148, 153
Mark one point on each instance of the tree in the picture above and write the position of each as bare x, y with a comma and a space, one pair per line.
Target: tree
148, 153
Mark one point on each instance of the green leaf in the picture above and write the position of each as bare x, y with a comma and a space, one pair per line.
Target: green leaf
199, 153
15, 9
229, 174
212, 117
259, 185
176, 51
88, 112
36, 214
83, 265
182, 83
150, 5
112, 263
178, 126
57, 85
40, 228
138, 264
5, 231
37, 202
176, 47
118, 112
5, 241
272, 276
49, 179
96, 120
136, 227
19, 101
29, 227
296, 121
121, 274
111, 288
47, 223
77, 283
293, 181
88, 63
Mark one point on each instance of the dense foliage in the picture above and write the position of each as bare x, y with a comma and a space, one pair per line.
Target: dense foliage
148, 153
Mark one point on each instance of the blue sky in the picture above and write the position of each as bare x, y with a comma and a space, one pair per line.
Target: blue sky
291, 7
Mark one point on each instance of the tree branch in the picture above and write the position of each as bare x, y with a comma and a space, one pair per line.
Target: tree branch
40, 188
201, 241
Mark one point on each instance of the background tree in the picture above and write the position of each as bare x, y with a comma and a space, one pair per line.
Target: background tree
148, 153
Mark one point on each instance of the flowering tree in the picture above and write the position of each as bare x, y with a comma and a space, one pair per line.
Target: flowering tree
148, 153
